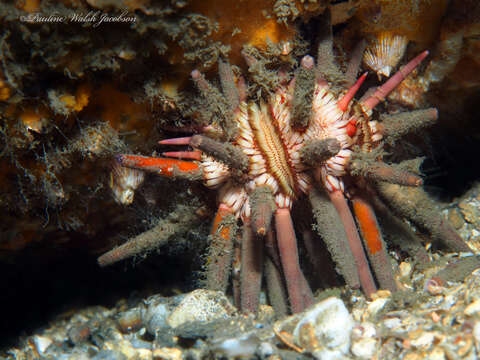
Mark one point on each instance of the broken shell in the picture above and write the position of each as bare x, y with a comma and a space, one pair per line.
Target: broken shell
325, 329
167, 354
364, 343
365, 348
434, 286
405, 269
41, 343
473, 308
423, 341
375, 306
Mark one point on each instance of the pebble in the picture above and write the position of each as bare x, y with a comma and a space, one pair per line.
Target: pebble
265, 350
109, 355
79, 333
130, 320
392, 323
41, 343
437, 354
167, 354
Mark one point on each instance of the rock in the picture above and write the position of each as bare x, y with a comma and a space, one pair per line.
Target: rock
158, 308
201, 305
78, 333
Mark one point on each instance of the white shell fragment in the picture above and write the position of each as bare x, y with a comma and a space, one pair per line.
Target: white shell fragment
41, 343
385, 52
364, 341
325, 330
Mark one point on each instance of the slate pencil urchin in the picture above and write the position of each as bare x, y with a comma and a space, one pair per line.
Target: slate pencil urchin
323, 145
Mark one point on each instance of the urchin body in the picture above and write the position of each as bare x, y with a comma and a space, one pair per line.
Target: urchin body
271, 158
273, 148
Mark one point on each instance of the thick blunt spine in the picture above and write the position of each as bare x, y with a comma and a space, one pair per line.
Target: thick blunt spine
251, 271
415, 205
172, 168
299, 293
316, 152
331, 229
355, 243
327, 68
221, 249
216, 103
394, 127
374, 244
263, 206
151, 239
303, 93
383, 91
380, 171
224, 152
228, 85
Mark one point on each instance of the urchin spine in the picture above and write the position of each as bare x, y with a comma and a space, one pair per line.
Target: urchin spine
303, 93
327, 69
317, 152
224, 152
151, 239
263, 206
252, 269
396, 126
228, 85
379, 171
403, 236
415, 205
333, 233
373, 242
216, 103
220, 252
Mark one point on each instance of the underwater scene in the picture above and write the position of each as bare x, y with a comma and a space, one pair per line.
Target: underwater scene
239, 179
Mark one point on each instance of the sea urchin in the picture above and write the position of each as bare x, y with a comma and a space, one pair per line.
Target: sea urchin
310, 138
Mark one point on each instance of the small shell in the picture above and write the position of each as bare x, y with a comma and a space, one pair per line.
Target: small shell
124, 182
385, 52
